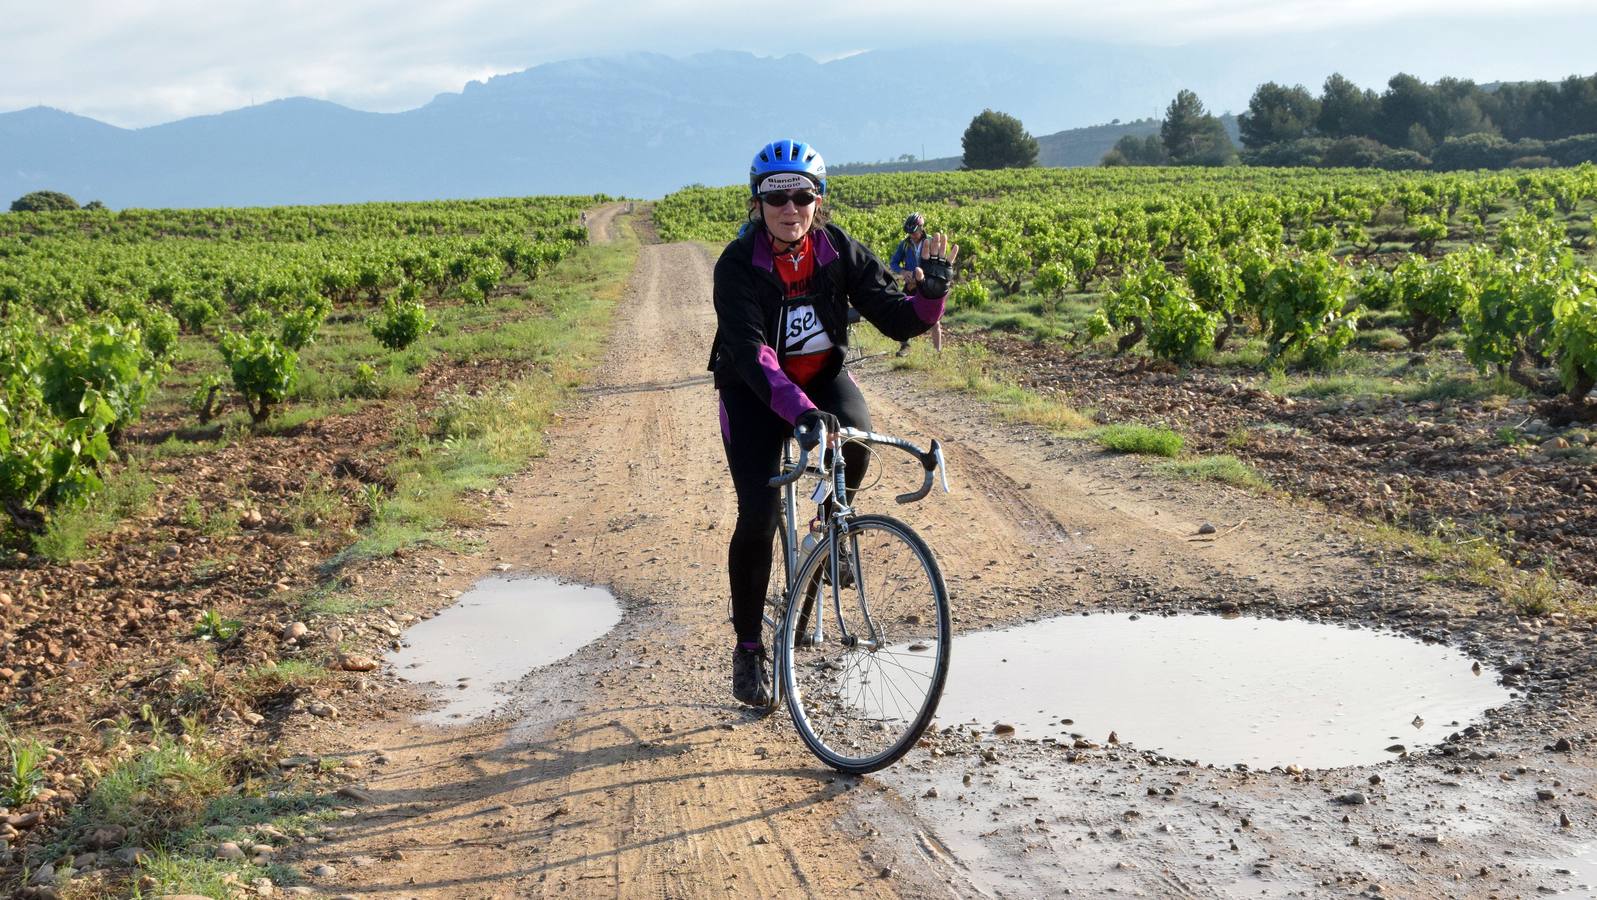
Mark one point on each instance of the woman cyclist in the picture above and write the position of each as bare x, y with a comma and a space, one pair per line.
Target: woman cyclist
783, 290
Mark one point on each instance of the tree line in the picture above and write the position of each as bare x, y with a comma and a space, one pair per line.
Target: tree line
1448, 125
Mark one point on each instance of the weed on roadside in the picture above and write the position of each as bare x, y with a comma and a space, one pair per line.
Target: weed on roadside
274, 677
317, 507
71, 530
24, 771
1535, 593
326, 600
1142, 439
1224, 468
471, 441
174, 800
212, 627
161, 790
1478, 559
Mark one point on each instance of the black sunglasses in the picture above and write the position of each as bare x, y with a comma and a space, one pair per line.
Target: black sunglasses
778, 199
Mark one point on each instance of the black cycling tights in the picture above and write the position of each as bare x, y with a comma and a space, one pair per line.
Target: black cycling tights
753, 436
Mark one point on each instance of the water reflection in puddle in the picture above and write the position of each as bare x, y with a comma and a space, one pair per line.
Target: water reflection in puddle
1256, 691
1577, 874
497, 632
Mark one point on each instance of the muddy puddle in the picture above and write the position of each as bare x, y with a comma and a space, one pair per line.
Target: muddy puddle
1575, 875
1223, 691
494, 634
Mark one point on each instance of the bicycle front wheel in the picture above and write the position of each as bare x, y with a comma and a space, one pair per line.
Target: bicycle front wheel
863, 666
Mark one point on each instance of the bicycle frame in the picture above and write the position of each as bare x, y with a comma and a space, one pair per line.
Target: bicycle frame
837, 526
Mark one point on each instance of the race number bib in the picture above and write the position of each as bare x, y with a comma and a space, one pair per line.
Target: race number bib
804, 333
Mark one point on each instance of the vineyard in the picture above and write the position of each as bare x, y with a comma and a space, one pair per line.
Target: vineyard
1373, 305
95, 303
204, 416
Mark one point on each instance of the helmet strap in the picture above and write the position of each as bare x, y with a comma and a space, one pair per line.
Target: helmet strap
777, 247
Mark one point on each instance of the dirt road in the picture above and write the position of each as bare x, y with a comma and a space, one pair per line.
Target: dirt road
626, 769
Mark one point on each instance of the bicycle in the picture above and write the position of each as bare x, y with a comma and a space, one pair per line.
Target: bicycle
862, 687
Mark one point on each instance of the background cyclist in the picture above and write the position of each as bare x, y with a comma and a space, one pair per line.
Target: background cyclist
783, 290
906, 265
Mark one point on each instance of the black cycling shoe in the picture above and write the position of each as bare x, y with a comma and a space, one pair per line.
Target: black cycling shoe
750, 682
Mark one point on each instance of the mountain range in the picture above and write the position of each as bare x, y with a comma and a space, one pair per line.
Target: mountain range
641, 124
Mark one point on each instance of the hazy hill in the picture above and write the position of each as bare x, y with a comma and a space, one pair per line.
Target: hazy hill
1064, 149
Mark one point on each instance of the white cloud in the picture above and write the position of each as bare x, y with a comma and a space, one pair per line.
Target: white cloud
137, 62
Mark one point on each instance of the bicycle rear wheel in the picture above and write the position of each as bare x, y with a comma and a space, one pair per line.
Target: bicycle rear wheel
863, 675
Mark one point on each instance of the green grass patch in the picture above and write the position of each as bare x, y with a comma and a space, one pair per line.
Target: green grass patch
1224, 468
162, 790
292, 417
272, 677
184, 862
319, 506
1477, 559
1380, 339
1142, 439
70, 530
327, 600
1250, 355
1466, 388
176, 447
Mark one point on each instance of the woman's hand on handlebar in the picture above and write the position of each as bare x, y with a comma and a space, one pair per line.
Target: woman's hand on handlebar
807, 430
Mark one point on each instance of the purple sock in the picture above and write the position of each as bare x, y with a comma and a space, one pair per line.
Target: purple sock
750, 645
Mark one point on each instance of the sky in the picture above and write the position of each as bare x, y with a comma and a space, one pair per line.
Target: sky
142, 62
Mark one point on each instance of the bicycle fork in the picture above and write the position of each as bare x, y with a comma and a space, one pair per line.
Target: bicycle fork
841, 515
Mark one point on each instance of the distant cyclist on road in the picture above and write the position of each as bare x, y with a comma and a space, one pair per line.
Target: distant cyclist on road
906, 263
783, 291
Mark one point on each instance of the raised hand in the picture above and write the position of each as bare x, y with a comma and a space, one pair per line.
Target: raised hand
936, 270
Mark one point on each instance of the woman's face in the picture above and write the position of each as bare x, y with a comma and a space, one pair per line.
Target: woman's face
790, 221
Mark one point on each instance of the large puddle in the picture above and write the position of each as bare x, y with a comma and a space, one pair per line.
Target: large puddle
497, 632
1215, 690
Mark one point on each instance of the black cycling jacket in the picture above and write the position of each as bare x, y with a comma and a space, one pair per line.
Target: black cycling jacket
749, 299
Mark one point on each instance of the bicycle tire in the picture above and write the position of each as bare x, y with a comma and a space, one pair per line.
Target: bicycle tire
861, 709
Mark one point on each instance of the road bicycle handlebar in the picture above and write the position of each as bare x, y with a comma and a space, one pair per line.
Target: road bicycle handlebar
931, 460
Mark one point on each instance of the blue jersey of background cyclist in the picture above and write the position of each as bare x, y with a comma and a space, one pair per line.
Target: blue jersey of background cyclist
907, 257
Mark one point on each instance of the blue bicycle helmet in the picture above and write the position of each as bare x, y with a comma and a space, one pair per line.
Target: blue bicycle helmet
786, 157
